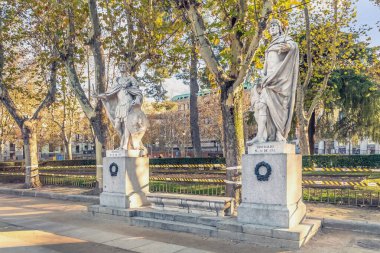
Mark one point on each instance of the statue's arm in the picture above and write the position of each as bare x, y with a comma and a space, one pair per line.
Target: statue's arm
137, 100
286, 47
99, 96
264, 71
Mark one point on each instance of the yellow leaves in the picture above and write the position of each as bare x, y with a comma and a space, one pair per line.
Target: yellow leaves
65, 21
160, 107
212, 80
226, 52
258, 65
216, 41
287, 5
159, 20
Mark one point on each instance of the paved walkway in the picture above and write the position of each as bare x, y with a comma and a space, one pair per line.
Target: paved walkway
37, 225
51, 189
318, 210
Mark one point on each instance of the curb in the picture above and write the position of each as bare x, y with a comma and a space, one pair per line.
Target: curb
50, 195
347, 225
350, 225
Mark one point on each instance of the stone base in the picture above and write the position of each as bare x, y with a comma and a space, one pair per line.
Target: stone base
271, 148
121, 200
272, 215
125, 182
217, 227
206, 205
123, 153
272, 188
293, 238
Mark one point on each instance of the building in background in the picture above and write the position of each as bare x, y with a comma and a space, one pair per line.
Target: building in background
82, 148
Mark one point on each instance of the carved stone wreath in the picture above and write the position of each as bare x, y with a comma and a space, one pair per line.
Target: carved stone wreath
263, 177
114, 169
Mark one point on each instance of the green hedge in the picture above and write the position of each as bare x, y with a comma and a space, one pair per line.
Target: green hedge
330, 161
162, 161
68, 163
325, 161
11, 164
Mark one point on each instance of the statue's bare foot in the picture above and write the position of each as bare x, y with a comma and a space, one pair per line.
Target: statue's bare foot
256, 140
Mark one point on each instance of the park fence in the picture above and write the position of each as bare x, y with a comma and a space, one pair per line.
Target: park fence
344, 185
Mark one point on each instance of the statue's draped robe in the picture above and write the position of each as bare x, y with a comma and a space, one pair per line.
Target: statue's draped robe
110, 99
278, 90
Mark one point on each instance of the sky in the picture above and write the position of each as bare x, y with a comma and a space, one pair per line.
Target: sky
367, 14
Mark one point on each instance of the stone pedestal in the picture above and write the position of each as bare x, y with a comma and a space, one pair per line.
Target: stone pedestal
125, 181
272, 186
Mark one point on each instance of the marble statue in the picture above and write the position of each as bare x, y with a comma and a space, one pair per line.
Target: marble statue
273, 98
123, 106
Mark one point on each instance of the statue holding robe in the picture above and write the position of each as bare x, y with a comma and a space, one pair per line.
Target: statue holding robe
273, 98
123, 103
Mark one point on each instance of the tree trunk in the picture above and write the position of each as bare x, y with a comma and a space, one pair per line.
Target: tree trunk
349, 147
95, 43
68, 149
239, 125
229, 131
32, 179
304, 139
1, 150
194, 89
230, 148
232, 175
311, 133
99, 164
303, 123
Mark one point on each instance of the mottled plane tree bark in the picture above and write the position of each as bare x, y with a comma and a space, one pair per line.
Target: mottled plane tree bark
194, 89
95, 114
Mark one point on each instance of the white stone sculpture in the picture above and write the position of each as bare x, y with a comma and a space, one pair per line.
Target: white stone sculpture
273, 98
123, 105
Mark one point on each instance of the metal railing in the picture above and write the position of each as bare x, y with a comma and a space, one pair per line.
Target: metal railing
188, 188
204, 179
342, 196
69, 180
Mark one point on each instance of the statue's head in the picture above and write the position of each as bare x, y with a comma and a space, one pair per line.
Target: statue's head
275, 27
122, 67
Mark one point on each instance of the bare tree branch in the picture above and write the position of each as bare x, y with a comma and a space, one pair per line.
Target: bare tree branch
251, 48
50, 96
96, 48
308, 46
204, 45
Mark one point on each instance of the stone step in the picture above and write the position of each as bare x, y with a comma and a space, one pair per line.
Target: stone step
175, 226
189, 218
185, 203
219, 227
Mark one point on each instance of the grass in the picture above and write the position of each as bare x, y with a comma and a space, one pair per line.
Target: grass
342, 196
341, 173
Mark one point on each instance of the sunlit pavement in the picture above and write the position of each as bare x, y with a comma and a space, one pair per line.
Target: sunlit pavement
17, 239
36, 225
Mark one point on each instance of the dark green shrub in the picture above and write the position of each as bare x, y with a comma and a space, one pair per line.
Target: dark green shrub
11, 164
342, 161
67, 163
162, 161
